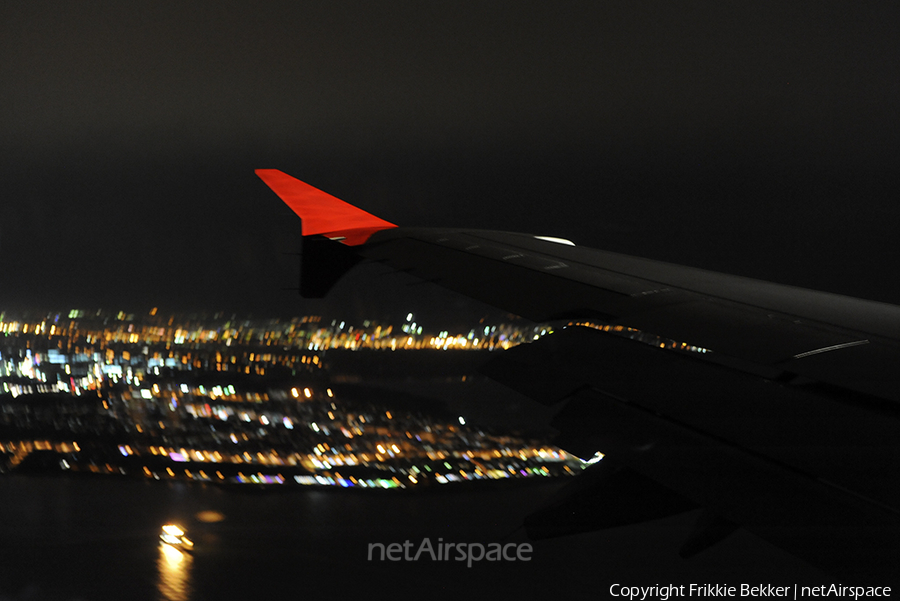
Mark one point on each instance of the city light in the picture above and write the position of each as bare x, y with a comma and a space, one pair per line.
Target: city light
269, 417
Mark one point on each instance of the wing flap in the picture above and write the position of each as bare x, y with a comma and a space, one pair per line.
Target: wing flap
604, 496
827, 525
812, 434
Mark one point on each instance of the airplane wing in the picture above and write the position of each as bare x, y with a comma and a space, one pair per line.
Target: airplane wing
771, 407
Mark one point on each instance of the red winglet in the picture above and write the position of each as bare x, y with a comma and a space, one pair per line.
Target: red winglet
322, 213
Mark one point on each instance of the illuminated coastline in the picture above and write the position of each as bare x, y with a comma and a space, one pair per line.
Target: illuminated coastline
238, 402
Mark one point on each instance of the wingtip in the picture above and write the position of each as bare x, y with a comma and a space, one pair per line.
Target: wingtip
322, 213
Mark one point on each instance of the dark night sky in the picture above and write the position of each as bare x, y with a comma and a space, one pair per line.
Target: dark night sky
758, 138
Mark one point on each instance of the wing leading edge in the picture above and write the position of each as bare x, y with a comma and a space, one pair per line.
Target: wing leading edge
787, 427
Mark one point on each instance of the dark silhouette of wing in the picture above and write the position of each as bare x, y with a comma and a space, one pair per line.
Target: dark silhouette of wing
773, 408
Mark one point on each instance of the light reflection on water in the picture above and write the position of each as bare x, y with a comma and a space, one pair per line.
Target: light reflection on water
174, 582
98, 540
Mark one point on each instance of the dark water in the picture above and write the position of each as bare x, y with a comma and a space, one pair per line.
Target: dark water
97, 539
